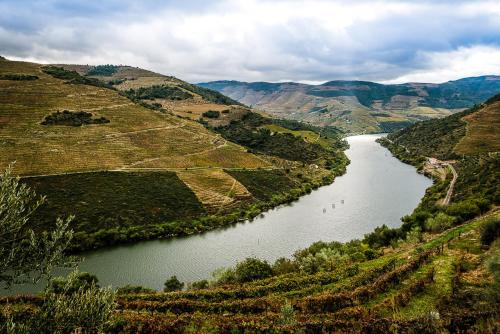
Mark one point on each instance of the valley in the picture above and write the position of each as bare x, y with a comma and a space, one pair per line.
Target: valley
136, 165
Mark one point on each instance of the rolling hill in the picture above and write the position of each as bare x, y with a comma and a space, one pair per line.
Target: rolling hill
361, 106
134, 154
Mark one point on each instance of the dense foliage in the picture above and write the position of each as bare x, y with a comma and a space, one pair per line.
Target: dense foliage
249, 132
490, 232
73, 118
173, 284
435, 138
72, 77
211, 114
103, 70
25, 255
158, 92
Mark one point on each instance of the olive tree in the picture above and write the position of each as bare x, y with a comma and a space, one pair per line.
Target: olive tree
26, 255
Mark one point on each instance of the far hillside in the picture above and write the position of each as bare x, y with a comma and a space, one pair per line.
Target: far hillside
361, 106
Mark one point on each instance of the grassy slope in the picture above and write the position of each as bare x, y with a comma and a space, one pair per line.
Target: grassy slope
483, 133
134, 134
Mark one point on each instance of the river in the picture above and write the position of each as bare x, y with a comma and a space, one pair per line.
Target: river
376, 189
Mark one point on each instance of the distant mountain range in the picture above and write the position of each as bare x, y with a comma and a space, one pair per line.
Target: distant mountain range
360, 106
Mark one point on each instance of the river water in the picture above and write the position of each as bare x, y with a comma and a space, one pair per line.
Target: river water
376, 189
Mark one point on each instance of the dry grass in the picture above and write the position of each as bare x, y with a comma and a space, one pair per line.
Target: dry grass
134, 134
483, 133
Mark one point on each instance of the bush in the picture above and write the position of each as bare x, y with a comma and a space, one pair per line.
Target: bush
490, 231
284, 266
203, 284
211, 114
464, 210
439, 223
103, 70
71, 118
157, 92
69, 285
73, 77
88, 309
132, 289
252, 269
173, 284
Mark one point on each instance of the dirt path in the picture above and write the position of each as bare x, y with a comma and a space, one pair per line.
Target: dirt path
438, 164
447, 199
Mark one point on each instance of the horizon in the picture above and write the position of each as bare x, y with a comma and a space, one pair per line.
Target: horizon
269, 41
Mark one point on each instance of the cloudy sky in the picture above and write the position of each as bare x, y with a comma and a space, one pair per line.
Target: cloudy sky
261, 40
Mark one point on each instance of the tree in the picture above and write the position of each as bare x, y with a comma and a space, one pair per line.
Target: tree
75, 303
88, 309
251, 269
439, 223
173, 284
25, 255
490, 231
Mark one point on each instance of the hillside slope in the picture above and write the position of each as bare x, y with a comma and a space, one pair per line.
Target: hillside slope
361, 106
100, 152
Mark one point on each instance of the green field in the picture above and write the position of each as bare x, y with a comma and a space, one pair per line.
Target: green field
106, 200
264, 184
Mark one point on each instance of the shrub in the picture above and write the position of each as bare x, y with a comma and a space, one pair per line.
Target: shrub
76, 281
157, 92
439, 223
203, 284
284, 266
173, 284
88, 309
464, 210
71, 118
490, 231
252, 269
211, 114
224, 276
132, 289
103, 70
287, 314
73, 77
494, 267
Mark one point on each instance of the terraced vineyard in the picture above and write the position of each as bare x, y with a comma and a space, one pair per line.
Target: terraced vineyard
442, 276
